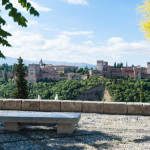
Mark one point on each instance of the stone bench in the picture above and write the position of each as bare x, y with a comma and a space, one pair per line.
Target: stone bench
15, 120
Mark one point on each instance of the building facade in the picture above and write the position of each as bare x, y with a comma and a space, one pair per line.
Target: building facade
43, 71
106, 70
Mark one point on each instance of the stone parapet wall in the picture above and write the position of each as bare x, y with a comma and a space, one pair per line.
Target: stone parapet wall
122, 108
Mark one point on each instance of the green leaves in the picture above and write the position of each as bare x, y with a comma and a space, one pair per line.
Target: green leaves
1, 55
28, 6
23, 3
4, 34
8, 6
2, 21
34, 12
21, 83
4, 2
17, 17
4, 42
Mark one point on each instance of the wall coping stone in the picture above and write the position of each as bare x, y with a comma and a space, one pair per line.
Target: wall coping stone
125, 108
146, 109
12, 104
115, 108
134, 108
31, 104
50, 105
93, 107
71, 106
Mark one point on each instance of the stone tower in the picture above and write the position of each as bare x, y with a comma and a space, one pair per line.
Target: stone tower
148, 67
137, 73
101, 64
33, 73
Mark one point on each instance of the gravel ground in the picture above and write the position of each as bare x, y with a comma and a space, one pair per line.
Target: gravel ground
94, 132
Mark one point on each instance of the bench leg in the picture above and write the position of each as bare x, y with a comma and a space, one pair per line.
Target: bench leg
12, 126
65, 128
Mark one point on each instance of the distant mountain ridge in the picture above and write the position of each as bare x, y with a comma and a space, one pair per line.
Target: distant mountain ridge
10, 61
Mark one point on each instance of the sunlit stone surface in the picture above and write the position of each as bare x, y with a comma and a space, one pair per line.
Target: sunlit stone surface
15, 120
94, 132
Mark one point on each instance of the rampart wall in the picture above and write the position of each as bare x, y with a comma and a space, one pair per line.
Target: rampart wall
122, 108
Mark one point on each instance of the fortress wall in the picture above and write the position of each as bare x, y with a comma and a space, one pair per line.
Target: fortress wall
122, 108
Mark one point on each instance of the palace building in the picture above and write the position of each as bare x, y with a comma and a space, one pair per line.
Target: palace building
47, 71
136, 72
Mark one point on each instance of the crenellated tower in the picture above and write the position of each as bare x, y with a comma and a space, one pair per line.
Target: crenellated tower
101, 64
148, 67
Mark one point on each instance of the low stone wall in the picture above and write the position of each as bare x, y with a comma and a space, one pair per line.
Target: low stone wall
76, 106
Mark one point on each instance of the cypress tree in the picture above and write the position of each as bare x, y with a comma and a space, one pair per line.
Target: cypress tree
5, 76
121, 65
115, 65
110, 74
21, 84
118, 65
115, 80
142, 98
126, 64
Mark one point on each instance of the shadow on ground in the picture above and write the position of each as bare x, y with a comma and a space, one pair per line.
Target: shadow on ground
46, 138
144, 139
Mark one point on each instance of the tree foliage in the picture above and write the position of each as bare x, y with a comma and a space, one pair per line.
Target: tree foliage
142, 98
118, 65
21, 84
82, 71
17, 17
5, 76
9, 68
121, 90
145, 21
128, 90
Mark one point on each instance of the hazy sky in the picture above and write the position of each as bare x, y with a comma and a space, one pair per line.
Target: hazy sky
80, 31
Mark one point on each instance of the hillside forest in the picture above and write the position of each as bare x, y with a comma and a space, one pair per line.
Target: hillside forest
121, 90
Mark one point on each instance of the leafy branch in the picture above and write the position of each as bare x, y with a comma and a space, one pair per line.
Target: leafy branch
17, 17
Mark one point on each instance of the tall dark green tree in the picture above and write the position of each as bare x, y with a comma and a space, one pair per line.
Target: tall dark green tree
142, 98
121, 65
126, 64
85, 70
17, 17
118, 65
110, 74
115, 79
5, 76
73, 70
115, 65
21, 84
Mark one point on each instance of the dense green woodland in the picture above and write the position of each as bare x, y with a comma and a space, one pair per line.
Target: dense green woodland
121, 90
128, 90
10, 68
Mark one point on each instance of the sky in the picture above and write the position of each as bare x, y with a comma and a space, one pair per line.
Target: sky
79, 31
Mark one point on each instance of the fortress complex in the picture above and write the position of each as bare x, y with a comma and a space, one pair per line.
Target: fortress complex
47, 71
106, 70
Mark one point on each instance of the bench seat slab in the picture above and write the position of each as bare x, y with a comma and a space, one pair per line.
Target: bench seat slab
15, 120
